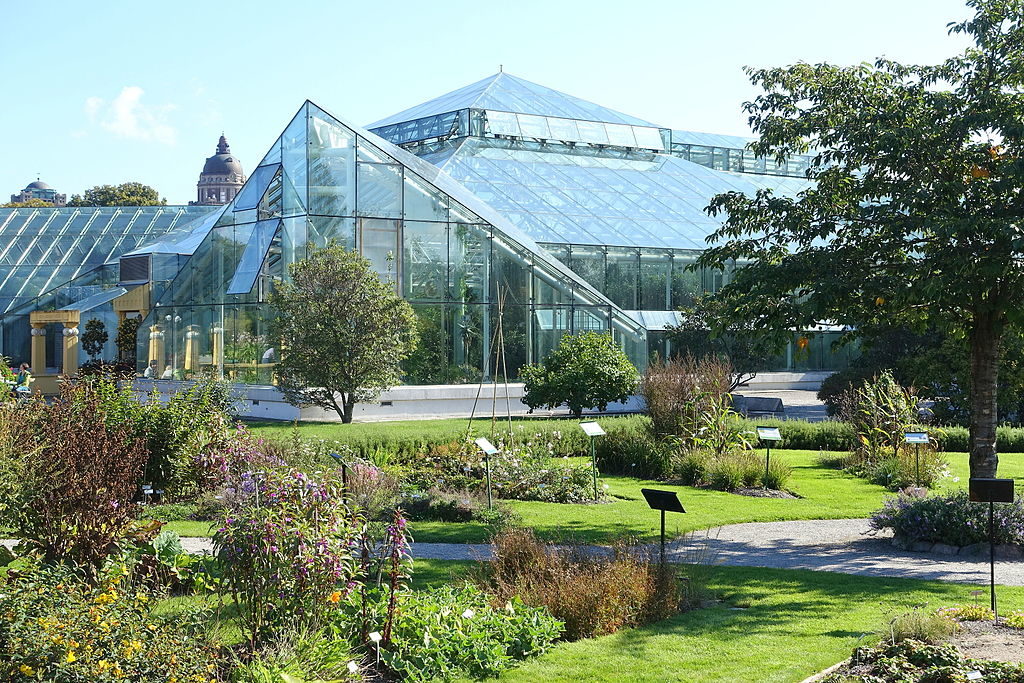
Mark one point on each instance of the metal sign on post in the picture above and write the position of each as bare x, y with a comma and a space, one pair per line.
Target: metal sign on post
344, 475
991, 491
916, 438
665, 501
593, 430
767, 435
488, 448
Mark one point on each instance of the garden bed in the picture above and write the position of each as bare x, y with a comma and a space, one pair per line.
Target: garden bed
1006, 551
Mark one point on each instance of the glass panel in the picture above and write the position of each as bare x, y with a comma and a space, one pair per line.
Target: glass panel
379, 242
423, 202
252, 258
332, 152
502, 123
622, 277
510, 270
469, 255
620, 135
655, 280
686, 284
425, 261
293, 158
589, 263
253, 190
379, 188
323, 229
564, 129
533, 126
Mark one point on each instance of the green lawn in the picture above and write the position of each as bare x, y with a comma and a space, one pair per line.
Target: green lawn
825, 494
798, 622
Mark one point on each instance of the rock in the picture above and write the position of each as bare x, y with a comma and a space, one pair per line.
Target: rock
974, 550
945, 549
1009, 552
922, 546
901, 543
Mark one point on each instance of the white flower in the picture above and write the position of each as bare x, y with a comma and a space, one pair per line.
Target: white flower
604, 486
468, 614
956, 479
375, 636
353, 667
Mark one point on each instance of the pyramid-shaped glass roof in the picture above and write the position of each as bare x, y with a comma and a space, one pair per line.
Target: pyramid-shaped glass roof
508, 93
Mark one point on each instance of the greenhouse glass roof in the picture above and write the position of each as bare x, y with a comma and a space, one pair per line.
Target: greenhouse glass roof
41, 248
508, 93
614, 199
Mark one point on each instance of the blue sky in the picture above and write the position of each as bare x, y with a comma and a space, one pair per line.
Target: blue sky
113, 91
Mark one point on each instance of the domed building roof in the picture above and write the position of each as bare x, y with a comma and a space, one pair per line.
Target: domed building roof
40, 185
222, 163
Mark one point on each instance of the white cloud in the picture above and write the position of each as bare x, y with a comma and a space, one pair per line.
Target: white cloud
126, 116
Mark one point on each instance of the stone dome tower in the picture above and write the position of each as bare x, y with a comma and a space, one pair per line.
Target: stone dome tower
222, 177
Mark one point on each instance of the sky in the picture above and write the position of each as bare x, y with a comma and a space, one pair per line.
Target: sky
111, 91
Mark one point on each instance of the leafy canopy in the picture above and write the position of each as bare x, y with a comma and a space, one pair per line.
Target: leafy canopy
587, 370
343, 330
125, 194
94, 337
914, 215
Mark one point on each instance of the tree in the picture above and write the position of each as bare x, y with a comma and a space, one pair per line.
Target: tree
587, 370
745, 348
914, 215
94, 337
33, 203
125, 194
343, 331
127, 339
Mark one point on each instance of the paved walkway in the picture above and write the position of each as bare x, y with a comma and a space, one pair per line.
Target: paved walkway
835, 545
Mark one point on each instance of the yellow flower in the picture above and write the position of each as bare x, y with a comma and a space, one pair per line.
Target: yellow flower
334, 597
103, 665
26, 670
71, 657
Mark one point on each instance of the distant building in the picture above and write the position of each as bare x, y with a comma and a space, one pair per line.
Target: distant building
40, 190
221, 179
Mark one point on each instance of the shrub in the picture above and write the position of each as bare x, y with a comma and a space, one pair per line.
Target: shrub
587, 370
454, 632
592, 594
456, 506
921, 625
55, 626
297, 656
689, 398
966, 613
169, 512
76, 496
949, 518
635, 453
286, 550
692, 467
18, 446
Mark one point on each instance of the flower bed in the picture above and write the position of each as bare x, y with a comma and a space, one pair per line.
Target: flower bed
950, 523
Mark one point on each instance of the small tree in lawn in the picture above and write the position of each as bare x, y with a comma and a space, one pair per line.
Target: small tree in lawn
94, 337
343, 331
587, 370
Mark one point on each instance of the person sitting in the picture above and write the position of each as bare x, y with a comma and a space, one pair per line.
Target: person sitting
23, 380
151, 372
168, 373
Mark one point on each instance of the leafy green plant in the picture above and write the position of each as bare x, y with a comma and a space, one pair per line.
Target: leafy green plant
587, 370
454, 632
57, 626
297, 657
286, 550
1014, 619
912, 660
127, 339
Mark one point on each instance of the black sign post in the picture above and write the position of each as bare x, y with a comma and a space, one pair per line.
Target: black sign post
666, 501
344, 476
916, 438
991, 491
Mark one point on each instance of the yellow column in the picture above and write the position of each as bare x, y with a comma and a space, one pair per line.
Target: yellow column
38, 348
70, 349
192, 349
156, 350
217, 337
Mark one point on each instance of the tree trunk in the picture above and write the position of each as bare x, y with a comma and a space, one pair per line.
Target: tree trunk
985, 337
349, 404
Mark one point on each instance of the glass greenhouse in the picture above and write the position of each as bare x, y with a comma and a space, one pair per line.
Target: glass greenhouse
502, 200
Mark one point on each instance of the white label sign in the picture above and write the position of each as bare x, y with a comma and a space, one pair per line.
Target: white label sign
769, 434
486, 446
591, 429
916, 437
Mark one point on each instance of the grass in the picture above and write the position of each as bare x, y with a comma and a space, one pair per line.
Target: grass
825, 494
797, 623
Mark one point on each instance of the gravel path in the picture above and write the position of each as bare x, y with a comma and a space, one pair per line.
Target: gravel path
835, 545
